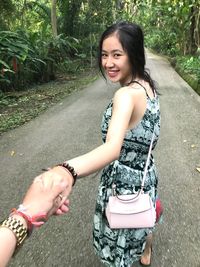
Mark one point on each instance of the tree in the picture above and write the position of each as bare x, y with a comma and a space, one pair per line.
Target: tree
53, 17
7, 8
69, 11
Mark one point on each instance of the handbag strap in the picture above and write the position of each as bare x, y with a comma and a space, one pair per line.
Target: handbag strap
147, 162
145, 170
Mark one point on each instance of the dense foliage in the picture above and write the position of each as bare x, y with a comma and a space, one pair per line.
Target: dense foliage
40, 38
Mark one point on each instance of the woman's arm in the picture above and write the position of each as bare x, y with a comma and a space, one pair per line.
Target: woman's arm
123, 105
129, 105
98, 158
124, 115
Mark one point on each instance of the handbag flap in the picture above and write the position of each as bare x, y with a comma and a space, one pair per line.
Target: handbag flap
119, 206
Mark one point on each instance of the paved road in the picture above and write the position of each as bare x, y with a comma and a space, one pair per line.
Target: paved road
71, 128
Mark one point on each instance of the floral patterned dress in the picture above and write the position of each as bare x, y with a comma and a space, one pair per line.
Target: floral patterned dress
121, 247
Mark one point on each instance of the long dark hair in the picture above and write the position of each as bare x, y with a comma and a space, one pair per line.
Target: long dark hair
132, 40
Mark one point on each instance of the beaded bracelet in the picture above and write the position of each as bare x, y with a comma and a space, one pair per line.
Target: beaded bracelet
69, 169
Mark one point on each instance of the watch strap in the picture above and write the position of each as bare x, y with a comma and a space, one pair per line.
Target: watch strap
17, 227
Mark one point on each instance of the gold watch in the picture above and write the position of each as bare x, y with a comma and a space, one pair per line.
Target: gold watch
17, 227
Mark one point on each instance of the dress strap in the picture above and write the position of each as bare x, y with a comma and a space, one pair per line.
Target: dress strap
144, 88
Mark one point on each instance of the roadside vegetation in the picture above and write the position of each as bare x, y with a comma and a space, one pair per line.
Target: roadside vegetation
42, 41
173, 29
19, 107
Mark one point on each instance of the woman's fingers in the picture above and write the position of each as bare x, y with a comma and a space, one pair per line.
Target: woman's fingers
64, 208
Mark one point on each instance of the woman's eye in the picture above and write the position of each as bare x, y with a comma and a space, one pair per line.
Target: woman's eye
103, 55
117, 55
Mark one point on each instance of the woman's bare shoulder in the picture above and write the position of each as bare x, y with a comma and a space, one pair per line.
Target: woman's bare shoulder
130, 92
122, 93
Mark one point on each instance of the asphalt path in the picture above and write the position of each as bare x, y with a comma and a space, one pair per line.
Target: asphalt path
71, 128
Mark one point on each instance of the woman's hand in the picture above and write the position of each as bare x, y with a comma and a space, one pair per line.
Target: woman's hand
48, 193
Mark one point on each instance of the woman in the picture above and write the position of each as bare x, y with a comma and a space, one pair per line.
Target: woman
130, 119
128, 123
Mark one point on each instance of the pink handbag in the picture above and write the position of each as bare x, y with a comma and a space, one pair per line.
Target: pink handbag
131, 211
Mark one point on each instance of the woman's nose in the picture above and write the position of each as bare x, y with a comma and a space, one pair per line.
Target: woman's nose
109, 62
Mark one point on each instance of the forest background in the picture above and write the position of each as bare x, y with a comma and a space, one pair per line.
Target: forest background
57, 40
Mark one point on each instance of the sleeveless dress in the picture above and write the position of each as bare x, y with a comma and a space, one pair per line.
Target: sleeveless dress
122, 247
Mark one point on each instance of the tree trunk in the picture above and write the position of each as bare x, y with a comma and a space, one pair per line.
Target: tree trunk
192, 45
53, 18
197, 28
23, 13
70, 16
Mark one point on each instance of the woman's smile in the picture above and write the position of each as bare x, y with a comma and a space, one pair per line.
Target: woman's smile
112, 73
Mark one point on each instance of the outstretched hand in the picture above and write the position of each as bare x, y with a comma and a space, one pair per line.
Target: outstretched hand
49, 192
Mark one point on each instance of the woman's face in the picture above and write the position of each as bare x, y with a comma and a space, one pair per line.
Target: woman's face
115, 61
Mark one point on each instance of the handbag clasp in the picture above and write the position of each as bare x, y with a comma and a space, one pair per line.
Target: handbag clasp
114, 189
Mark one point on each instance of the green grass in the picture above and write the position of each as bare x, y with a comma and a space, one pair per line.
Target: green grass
188, 68
190, 65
